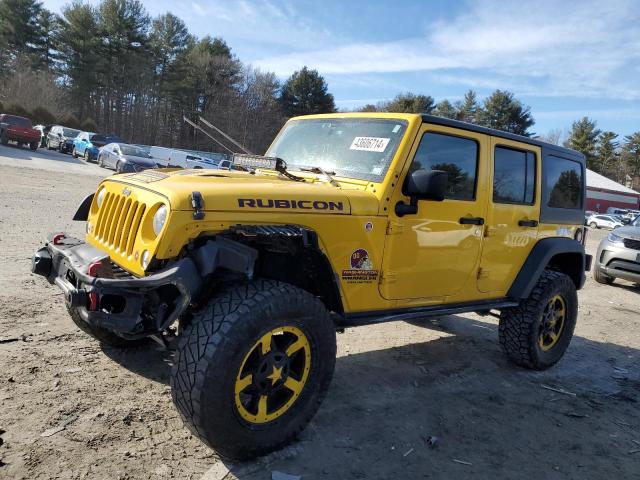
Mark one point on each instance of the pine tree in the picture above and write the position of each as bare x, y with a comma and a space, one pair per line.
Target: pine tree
306, 92
19, 29
410, 103
583, 137
607, 155
445, 109
631, 155
468, 108
504, 112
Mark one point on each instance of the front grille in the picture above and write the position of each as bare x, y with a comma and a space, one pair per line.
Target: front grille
633, 244
118, 223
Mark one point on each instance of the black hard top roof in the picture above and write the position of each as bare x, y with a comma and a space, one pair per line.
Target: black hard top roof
551, 148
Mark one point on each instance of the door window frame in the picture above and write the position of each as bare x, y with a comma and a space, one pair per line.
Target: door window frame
535, 174
477, 168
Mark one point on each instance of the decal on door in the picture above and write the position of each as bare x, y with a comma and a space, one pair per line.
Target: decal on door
361, 270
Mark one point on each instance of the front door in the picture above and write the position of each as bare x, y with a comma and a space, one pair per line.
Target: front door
434, 253
512, 218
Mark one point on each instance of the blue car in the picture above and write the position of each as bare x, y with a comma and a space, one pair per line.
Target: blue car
88, 144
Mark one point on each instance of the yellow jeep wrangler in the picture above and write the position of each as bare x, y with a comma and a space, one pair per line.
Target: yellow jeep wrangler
348, 219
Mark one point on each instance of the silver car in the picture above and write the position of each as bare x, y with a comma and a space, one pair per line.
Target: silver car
619, 255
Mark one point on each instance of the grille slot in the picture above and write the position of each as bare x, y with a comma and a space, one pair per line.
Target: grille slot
118, 223
633, 244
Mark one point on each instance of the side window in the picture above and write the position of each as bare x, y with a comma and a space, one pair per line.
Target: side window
514, 176
564, 182
455, 155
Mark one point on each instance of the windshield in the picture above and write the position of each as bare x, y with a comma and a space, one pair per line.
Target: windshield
351, 147
17, 121
134, 151
70, 132
636, 222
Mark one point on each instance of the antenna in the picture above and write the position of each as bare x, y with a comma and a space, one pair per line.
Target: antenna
228, 137
198, 127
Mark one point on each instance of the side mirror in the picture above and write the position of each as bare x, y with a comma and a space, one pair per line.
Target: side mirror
422, 185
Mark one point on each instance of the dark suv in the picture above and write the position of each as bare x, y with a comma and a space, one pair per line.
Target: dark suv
61, 138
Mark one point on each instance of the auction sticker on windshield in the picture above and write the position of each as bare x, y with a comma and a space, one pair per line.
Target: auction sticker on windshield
369, 144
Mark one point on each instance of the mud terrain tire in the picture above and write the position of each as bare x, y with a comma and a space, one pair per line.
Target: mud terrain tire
104, 336
520, 327
209, 362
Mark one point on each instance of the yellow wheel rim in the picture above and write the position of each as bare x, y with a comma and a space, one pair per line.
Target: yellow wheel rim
553, 321
272, 375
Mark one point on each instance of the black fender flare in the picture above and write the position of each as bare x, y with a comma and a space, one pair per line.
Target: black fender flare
562, 253
82, 214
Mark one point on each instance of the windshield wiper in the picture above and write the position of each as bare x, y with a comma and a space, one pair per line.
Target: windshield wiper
322, 171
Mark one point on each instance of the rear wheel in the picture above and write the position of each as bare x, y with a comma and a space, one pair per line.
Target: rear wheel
119, 167
74, 154
86, 156
49, 145
600, 277
100, 162
253, 366
4, 138
537, 332
104, 336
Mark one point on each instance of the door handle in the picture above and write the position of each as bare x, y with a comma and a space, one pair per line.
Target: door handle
471, 221
528, 223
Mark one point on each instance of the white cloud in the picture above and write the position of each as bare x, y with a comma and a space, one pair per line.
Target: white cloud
261, 22
587, 48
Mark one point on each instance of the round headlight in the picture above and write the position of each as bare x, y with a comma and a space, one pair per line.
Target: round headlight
145, 259
159, 219
100, 197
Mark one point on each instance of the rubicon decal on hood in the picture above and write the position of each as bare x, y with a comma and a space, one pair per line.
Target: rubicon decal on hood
290, 204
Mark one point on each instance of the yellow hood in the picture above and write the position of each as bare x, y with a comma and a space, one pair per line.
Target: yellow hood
224, 190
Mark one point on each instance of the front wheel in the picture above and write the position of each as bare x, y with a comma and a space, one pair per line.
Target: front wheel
253, 366
33, 145
593, 225
100, 162
4, 138
74, 154
104, 336
86, 156
536, 333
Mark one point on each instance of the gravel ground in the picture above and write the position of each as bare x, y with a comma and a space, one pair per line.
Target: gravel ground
71, 409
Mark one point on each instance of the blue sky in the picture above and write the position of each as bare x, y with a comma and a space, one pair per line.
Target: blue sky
565, 59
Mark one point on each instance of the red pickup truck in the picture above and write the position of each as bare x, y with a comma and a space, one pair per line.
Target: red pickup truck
19, 130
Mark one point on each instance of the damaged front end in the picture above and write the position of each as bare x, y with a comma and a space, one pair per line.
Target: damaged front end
107, 296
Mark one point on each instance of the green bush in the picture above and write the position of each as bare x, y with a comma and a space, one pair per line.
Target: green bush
15, 109
40, 115
89, 125
69, 120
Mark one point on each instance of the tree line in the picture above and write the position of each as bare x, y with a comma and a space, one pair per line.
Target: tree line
113, 68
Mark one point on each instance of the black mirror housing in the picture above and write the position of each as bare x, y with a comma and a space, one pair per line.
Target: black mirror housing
422, 185
426, 185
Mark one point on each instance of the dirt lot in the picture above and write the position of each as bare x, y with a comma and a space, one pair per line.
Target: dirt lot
70, 409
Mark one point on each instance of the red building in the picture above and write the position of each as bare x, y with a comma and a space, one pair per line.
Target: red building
603, 193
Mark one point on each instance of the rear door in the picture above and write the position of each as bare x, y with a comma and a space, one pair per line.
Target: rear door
512, 219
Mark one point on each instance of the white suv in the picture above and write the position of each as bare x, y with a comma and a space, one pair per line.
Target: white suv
604, 221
